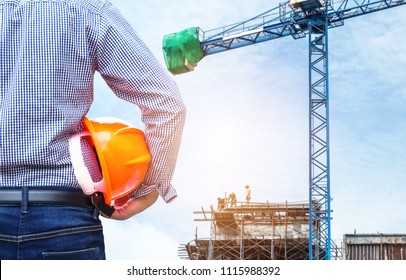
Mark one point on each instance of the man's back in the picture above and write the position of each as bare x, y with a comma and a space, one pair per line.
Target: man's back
48, 58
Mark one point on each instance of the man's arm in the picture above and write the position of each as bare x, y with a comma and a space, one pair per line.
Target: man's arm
134, 206
136, 76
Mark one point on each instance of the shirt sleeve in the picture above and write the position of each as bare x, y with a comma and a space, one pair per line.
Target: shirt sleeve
135, 75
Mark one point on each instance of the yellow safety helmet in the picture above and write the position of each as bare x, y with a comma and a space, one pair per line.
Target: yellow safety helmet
122, 153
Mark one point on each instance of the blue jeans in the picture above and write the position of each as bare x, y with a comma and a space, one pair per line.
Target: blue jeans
50, 232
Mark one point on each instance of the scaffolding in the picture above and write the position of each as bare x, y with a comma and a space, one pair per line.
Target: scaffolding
254, 231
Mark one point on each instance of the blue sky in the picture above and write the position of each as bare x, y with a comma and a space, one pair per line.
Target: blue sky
247, 123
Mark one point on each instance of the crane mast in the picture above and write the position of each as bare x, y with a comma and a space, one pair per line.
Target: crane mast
299, 19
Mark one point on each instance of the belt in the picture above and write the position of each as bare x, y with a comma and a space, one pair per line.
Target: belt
55, 197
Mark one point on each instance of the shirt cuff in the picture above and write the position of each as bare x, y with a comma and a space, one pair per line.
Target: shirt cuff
168, 194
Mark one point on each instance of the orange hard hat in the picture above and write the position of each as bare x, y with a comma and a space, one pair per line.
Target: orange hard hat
122, 153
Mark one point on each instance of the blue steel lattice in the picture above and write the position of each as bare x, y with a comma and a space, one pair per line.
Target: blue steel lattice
319, 159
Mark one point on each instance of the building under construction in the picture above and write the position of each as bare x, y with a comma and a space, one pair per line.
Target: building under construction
252, 231
278, 231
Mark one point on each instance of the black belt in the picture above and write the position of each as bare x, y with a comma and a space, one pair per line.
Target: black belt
55, 197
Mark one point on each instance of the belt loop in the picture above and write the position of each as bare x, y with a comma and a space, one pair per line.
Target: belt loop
24, 199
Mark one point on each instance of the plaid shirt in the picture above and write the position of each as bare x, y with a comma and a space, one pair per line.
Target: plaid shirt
49, 53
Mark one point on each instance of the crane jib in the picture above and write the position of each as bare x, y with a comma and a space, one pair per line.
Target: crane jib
182, 50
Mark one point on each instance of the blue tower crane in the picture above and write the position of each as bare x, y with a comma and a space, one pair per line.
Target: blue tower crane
296, 18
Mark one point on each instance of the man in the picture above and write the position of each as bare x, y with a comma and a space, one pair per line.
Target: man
247, 194
232, 199
221, 203
50, 51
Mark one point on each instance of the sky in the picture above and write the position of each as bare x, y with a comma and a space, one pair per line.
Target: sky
247, 123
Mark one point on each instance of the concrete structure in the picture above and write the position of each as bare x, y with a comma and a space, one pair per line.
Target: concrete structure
374, 247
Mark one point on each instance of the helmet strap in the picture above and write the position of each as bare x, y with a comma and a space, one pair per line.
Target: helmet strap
98, 202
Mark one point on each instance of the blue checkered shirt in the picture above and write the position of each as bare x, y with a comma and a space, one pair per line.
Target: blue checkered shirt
49, 53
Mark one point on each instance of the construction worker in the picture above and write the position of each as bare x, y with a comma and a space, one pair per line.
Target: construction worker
232, 199
221, 203
247, 194
50, 51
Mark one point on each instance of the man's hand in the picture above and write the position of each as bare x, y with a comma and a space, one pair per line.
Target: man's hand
132, 206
